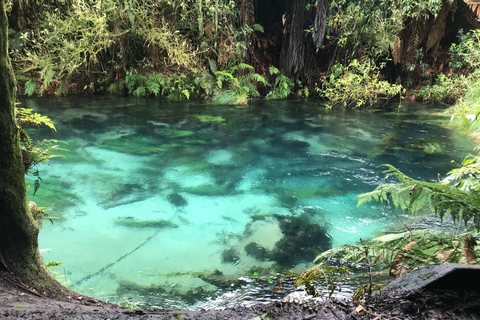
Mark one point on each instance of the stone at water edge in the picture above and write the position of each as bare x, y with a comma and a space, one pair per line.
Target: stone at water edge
445, 276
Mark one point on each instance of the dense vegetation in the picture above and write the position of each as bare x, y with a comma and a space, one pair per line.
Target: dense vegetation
229, 51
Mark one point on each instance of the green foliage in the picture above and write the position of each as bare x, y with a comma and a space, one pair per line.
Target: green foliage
357, 85
26, 117
282, 87
465, 112
104, 39
446, 89
465, 59
405, 251
443, 199
39, 151
317, 278
466, 54
234, 85
368, 28
30, 87
177, 87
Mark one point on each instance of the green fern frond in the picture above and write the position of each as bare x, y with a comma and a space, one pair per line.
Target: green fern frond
30, 87
140, 92
153, 87
245, 66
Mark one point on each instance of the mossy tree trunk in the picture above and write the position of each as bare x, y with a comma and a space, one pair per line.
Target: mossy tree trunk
298, 58
19, 253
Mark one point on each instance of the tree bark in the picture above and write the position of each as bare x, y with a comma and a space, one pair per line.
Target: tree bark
19, 254
298, 57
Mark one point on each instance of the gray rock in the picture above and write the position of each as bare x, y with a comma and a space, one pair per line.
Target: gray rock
445, 276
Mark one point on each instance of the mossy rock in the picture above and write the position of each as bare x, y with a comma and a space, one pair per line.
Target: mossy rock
209, 118
132, 222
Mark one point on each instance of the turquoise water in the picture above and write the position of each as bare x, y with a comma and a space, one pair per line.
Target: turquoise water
182, 205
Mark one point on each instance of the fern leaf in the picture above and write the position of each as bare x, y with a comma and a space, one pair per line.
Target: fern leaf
30, 87
245, 66
153, 87
140, 92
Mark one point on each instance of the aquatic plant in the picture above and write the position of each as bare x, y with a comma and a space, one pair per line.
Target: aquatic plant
302, 240
132, 222
258, 251
177, 200
230, 256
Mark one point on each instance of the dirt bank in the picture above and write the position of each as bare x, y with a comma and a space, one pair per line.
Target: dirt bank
20, 302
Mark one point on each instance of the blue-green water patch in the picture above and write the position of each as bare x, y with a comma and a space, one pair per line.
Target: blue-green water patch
190, 206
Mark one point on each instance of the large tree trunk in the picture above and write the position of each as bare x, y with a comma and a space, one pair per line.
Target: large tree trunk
19, 254
298, 57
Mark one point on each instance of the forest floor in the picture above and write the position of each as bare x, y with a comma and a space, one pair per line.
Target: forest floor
18, 302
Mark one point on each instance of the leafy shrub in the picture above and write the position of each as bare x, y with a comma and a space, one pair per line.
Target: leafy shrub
445, 89
357, 85
283, 85
466, 54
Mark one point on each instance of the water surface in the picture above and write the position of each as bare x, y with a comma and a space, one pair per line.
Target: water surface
182, 205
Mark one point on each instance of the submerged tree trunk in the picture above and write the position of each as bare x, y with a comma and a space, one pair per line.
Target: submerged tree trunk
303, 33
19, 254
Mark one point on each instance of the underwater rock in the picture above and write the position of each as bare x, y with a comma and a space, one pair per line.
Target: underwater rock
177, 200
296, 145
230, 256
220, 157
253, 210
303, 240
227, 175
132, 222
257, 251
